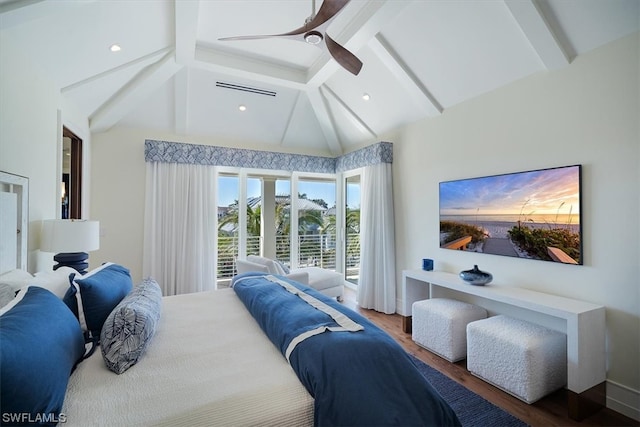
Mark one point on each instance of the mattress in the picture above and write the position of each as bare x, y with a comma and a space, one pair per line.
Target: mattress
208, 364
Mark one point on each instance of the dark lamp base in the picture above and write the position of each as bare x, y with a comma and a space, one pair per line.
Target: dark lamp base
75, 260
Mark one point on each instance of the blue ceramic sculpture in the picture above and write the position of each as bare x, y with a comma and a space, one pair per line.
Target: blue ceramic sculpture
476, 276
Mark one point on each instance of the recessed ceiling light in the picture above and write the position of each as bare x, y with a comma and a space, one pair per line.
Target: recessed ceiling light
115, 48
366, 97
242, 108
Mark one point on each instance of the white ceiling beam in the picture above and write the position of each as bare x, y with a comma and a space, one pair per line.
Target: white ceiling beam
368, 22
186, 27
323, 115
158, 54
296, 105
181, 101
412, 85
539, 33
134, 92
248, 68
351, 115
186, 30
18, 12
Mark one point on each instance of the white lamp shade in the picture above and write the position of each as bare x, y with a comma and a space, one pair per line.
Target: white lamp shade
70, 235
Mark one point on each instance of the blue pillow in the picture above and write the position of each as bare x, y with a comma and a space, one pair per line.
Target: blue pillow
41, 342
96, 294
129, 328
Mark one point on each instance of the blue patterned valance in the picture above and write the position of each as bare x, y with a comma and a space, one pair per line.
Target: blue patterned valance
175, 152
382, 152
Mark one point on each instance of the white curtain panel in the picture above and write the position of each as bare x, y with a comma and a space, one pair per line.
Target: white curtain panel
179, 227
377, 283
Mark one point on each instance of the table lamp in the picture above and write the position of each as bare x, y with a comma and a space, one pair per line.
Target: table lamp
71, 239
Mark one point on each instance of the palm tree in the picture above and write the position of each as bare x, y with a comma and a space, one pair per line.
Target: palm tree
308, 222
230, 246
352, 223
352, 234
253, 219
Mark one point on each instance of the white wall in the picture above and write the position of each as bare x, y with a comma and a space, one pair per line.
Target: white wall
31, 116
585, 114
118, 186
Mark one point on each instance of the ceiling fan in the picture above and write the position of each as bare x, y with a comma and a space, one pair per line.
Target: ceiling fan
314, 32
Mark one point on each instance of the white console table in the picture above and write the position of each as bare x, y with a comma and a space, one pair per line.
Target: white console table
583, 322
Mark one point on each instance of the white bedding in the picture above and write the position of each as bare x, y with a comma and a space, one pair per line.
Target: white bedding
208, 364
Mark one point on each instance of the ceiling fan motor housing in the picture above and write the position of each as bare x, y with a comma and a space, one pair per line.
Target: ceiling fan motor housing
313, 37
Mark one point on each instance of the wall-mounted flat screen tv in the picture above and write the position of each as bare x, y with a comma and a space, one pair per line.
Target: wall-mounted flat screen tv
533, 214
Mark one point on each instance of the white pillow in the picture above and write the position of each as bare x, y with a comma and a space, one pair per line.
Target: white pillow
7, 294
55, 281
272, 266
16, 278
278, 267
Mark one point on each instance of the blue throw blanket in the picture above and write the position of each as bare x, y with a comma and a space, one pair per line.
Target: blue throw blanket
359, 378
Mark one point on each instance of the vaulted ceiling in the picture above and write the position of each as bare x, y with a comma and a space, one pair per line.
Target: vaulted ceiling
420, 58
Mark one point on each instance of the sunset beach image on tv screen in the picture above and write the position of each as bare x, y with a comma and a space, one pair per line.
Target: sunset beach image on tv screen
533, 214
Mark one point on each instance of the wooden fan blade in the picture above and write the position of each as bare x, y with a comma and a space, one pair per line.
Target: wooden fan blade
327, 11
342, 56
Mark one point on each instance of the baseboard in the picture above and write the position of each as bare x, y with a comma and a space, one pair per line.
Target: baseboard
623, 400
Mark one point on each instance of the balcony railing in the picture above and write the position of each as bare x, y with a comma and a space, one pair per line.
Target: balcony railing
352, 258
317, 250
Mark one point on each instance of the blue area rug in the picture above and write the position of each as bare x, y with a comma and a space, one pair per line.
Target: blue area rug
471, 409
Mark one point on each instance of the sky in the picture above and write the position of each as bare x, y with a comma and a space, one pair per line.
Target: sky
548, 191
228, 190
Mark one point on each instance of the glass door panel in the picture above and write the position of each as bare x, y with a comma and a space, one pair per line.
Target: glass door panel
352, 229
254, 215
283, 221
228, 190
317, 223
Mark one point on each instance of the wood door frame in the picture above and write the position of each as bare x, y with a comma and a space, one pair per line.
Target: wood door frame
75, 199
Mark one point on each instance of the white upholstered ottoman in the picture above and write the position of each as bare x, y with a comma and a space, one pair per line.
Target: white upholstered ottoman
440, 325
526, 360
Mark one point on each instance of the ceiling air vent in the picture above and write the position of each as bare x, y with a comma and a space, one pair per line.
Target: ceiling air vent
245, 88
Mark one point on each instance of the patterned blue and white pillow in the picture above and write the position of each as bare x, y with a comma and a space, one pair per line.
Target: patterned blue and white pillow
128, 329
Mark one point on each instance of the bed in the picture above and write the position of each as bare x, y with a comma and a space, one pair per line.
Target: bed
206, 361
95, 350
223, 357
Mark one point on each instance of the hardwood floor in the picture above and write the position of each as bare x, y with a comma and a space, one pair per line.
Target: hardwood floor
549, 411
